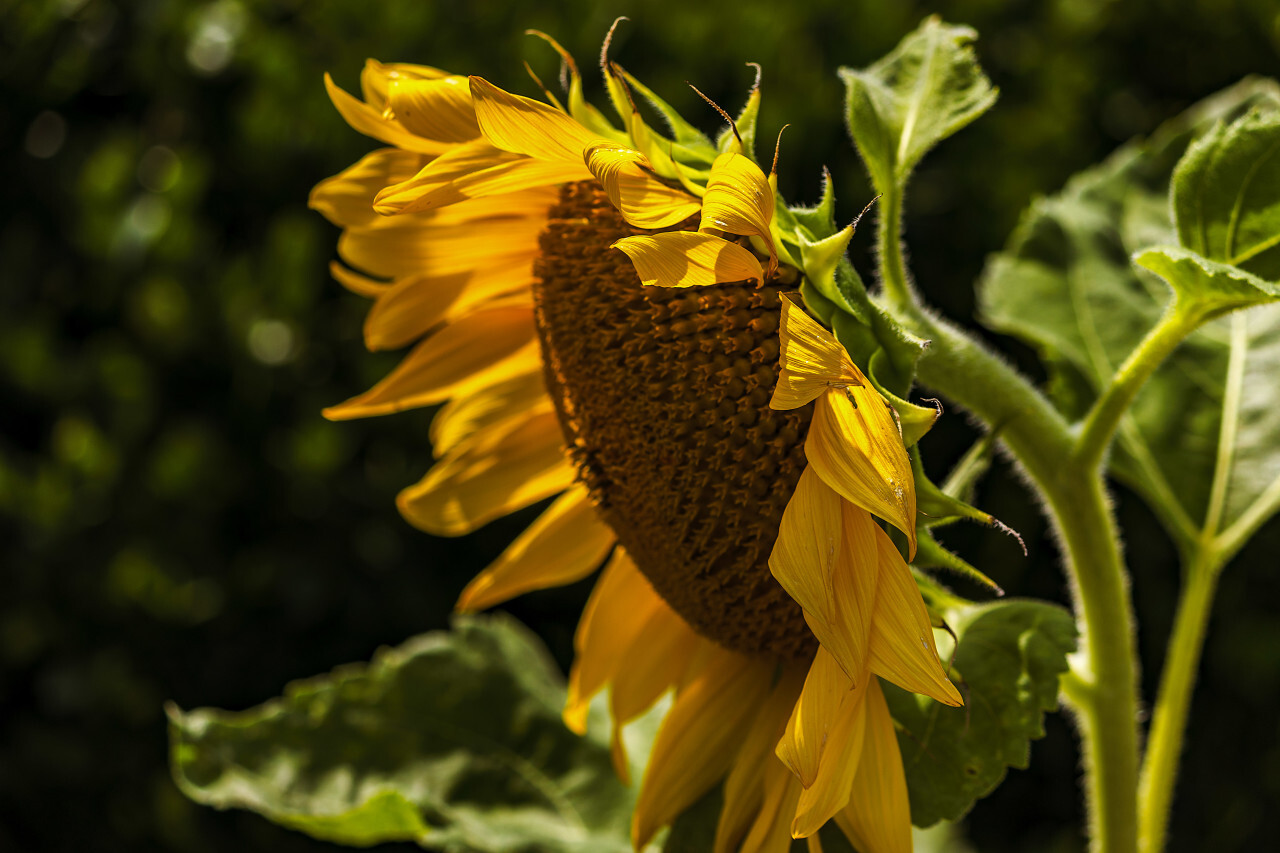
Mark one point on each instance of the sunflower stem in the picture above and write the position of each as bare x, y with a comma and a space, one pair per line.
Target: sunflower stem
893, 269
1177, 681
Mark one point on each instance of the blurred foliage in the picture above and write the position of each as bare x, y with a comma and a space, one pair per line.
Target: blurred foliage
179, 523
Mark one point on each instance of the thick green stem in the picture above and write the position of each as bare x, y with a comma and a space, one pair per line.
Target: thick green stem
1177, 681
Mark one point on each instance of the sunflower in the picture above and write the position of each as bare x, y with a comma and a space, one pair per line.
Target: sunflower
606, 315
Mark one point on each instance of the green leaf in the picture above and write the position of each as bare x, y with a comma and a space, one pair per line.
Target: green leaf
1066, 285
928, 88
1009, 657
1213, 288
452, 740
1226, 194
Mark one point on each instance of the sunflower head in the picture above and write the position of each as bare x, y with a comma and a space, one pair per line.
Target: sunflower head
615, 316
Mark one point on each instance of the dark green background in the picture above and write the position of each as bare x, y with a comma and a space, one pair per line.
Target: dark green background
179, 522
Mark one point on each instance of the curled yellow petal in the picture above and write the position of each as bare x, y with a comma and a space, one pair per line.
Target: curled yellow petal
643, 199
376, 78
902, 645
371, 121
347, 198
525, 126
360, 285
435, 109
467, 414
833, 784
739, 199
811, 361
855, 445
688, 259
566, 543
878, 817
699, 738
813, 717
493, 474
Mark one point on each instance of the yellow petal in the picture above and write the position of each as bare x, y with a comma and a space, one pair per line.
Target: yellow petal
616, 612
656, 661
739, 199
346, 199
413, 305
465, 415
435, 109
688, 259
370, 121
855, 446
744, 788
474, 351
771, 832
525, 126
699, 738
878, 817
566, 543
377, 77
360, 285
494, 473
827, 569
643, 199
811, 361
814, 717
474, 170
831, 789
902, 644
404, 246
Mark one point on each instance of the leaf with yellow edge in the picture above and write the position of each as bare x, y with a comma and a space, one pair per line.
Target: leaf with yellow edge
855, 446
688, 259
643, 200
739, 199
812, 361
566, 543
525, 126
436, 109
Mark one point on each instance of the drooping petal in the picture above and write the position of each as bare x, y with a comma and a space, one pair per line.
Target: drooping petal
656, 661
744, 787
566, 543
826, 570
878, 817
813, 717
467, 414
831, 789
376, 78
902, 645
346, 199
525, 126
360, 285
771, 831
474, 170
409, 308
370, 121
494, 473
811, 362
699, 738
641, 198
688, 259
435, 109
855, 446
403, 246
739, 199
474, 351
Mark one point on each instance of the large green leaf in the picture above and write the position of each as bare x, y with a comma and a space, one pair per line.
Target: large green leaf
1210, 288
929, 87
452, 740
1226, 194
1065, 284
1008, 661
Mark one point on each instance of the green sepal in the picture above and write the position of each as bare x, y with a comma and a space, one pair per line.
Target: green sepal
1007, 664
818, 221
746, 124
936, 508
373, 753
684, 134
931, 554
1208, 288
928, 88
1225, 193
913, 421
583, 112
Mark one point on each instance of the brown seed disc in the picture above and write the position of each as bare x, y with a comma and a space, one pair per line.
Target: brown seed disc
663, 394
